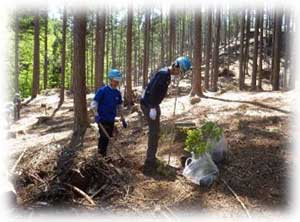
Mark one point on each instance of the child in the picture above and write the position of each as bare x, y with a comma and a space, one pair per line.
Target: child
106, 103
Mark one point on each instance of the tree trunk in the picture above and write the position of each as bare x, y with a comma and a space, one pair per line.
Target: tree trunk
261, 45
268, 34
292, 56
216, 52
135, 65
138, 42
196, 83
172, 35
278, 23
237, 29
286, 48
229, 41
140, 63
80, 107
72, 60
113, 42
36, 57
151, 49
246, 56
162, 46
225, 32
182, 34
241, 65
128, 96
87, 54
146, 48
92, 54
107, 44
46, 52
191, 44
100, 48
63, 58
273, 46
17, 71
208, 49
120, 47
254, 68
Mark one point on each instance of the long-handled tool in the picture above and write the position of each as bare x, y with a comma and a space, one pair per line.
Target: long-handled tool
173, 123
109, 139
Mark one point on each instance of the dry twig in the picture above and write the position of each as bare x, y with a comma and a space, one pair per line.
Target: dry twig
82, 193
237, 197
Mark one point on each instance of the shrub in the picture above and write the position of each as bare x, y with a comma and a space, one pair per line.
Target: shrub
200, 140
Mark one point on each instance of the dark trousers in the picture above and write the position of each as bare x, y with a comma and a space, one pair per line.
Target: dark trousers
103, 140
153, 134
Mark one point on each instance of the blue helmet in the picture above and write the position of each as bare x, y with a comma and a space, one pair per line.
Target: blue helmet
115, 75
184, 63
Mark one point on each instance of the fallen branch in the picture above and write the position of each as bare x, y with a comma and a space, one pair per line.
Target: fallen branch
116, 169
82, 193
238, 199
99, 190
171, 212
18, 161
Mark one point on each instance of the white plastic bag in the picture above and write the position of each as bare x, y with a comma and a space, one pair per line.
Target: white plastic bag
218, 149
202, 171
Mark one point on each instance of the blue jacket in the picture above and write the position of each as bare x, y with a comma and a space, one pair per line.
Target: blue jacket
108, 99
157, 88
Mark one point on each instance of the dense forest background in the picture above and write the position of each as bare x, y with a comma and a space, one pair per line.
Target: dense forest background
158, 36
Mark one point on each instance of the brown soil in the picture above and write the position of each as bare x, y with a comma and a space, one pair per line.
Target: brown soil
257, 163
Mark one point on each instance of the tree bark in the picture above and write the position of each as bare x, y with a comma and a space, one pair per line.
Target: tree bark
92, 53
135, 64
72, 60
196, 83
241, 65
216, 52
17, 71
208, 49
79, 83
113, 42
100, 48
254, 68
261, 45
63, 58
46, 52
128, 96
246, 56
146, 48
237, 29
286, 48
36, 57
152, 57
278, 23
172, 35
162, 46
182, 34
107, 44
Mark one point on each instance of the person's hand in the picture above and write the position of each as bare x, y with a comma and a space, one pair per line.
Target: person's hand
124, 123
152, 113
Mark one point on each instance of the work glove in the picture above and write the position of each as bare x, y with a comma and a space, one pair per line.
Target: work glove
94, 106
152, 113
124, 123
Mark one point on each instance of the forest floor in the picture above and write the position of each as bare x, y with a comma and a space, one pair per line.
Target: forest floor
256, 126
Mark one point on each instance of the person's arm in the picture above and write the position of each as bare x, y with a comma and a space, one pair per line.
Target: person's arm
158, 90
97, 99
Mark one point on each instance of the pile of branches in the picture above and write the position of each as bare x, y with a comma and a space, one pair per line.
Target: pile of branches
90, 181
